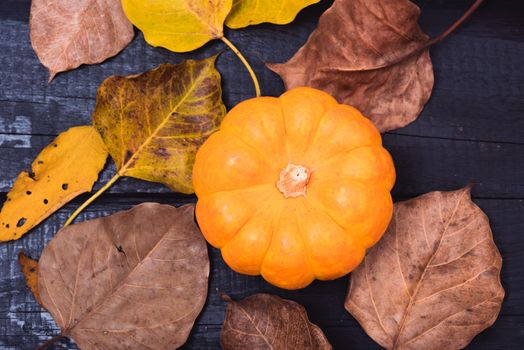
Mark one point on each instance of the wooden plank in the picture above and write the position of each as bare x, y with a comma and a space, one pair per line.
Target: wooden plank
478, 77
423, 165
22, 318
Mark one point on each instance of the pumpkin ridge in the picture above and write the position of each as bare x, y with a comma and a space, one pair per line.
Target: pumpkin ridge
256, 213
260, 154
253, 187
286, 146
328, 161
258, 210
301, 234
278, 213
315, 132
320, 207
253, 213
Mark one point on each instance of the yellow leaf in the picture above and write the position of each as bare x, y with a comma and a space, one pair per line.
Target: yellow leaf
66, 168
249, 12
178, 25
153, 123
30, 271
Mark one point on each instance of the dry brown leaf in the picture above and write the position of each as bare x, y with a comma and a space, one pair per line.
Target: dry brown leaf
136, 279
30, 271
433, 281
264, 321
66, 34
349, 56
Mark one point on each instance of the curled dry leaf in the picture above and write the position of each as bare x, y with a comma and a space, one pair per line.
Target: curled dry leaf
136, 279
350, 53
66, 168
433, 281
248, 12
181, 25
153, 123
66, 34
264, 321
30, 271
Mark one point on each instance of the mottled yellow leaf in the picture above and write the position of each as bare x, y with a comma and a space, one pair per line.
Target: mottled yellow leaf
178, 25
30, 271
248, 12
153, 123
66, 168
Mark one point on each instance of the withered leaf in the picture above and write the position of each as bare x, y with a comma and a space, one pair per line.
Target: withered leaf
153, 123
30, 271
265, 321
66, 34
64, 169
349, 56
133, 280
433, 281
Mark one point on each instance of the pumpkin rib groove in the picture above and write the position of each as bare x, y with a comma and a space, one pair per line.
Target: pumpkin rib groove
320, 207
315, 131
307, 252
255, 212
258, 211
273, 229
260, 154
254, 188
333, 161
286, 145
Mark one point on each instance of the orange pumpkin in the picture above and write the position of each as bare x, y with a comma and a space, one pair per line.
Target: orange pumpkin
294, 188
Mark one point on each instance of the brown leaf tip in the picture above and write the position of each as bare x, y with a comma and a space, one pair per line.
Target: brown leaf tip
226, 298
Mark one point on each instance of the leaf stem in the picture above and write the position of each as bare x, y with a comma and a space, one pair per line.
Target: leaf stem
458, 22
91, 199
50, 342
245, 62
435, 40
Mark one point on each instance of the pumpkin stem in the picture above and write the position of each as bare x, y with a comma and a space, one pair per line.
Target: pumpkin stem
293, 180
245, 62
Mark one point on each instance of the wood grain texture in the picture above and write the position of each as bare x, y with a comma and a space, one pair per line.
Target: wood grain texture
471, 130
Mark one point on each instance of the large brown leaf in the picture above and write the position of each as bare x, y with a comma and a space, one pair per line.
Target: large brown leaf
68, 33
137, 279
349, 56
433, 281
264, 321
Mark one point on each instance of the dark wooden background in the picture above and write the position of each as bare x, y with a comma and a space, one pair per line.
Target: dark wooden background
471, 131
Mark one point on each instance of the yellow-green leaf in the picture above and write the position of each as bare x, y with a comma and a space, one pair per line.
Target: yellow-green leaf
66, 168
153, 123
178, 25
30, 271
248, 12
